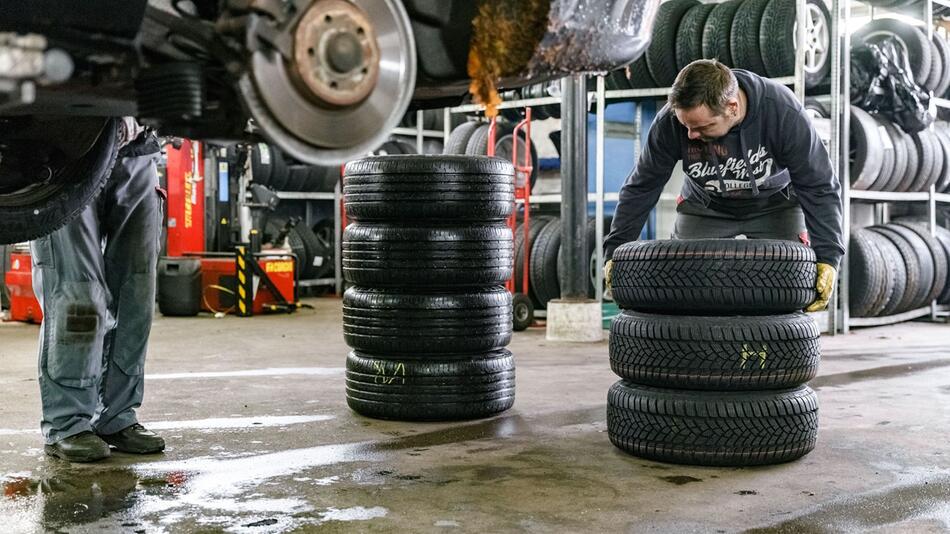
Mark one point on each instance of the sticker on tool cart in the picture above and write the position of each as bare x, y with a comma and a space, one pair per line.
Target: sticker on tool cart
279, 267
318, 261
886, 139
265, 153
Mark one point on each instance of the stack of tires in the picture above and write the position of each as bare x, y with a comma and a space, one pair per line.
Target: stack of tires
895, 268
884, 158
756, 35
270, 168
427, 315
712, 350
471, 138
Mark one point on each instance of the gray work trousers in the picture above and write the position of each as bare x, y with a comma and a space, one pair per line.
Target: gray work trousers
95, 281
703, 223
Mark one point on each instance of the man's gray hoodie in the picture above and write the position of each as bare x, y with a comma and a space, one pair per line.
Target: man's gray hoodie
775, 144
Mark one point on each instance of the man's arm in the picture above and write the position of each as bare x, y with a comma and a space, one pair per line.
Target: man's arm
818, 188
642, 189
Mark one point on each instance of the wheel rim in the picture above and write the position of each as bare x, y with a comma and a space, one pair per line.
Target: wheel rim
817, 39
521, 313
300, 108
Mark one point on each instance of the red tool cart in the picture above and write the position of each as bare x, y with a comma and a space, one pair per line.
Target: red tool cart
19, 281
522, 307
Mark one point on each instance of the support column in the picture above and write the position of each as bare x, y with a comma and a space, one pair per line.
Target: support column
574, 317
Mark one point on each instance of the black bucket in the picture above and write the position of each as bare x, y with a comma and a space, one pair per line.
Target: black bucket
179, 286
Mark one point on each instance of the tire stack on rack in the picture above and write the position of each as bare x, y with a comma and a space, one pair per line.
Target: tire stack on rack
896, 268
713, 351
884, 158
271, 168
756, 35
471, 138
427, 316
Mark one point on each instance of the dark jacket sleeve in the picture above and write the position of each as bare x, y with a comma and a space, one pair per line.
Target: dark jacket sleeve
641, 190
818, 189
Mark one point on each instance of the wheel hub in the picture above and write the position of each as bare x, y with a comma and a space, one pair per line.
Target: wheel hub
336, 53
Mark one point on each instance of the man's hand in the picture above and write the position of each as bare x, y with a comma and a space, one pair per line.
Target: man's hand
608, 270
824, 285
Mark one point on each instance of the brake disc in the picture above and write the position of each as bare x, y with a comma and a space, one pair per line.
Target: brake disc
337, 82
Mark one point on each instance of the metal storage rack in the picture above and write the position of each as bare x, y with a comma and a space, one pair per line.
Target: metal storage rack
841, 12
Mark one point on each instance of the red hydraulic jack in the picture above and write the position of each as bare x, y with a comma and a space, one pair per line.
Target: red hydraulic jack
522, 307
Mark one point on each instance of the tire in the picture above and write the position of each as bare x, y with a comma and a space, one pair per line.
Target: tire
430, 188
885, 173
777, 40
717, 32
943, 236
816, 108
714, 277
912, 282
914, 40
913, 163
639, 75
544, 265
398, 322
319, 256
298, 176
689, 35
897, 273
504, 149
899, 150
262, 163
712, 428
936, 67
868, 281
943, 159
296, 242
937, 257
943, 49
925, 264
30, 214
537, 224
926, 161
458, 138
379, 255
744, 37
867, 154
430, 389
478, 143
715, 353
522, 310
280, 174
661, 55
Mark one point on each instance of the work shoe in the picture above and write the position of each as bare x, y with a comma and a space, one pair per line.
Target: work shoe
82, 447
135, 439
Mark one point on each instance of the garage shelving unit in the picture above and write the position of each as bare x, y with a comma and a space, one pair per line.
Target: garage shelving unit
841, 12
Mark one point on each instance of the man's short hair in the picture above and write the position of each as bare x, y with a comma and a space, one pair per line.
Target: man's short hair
704, 81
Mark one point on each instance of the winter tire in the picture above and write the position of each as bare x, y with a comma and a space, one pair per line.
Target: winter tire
714, 276
715, 353
712, 428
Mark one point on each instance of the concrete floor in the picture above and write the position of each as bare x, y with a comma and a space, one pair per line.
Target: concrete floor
260, 440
